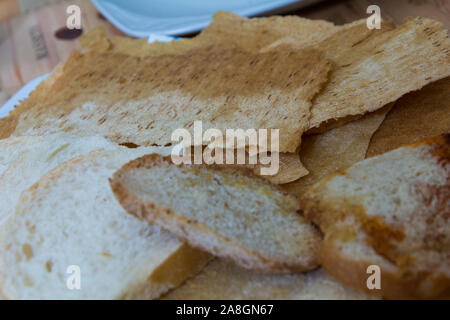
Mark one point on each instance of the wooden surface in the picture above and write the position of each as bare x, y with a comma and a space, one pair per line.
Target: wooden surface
28, 47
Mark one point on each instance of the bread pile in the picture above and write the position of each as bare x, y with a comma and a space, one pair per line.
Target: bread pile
87, 179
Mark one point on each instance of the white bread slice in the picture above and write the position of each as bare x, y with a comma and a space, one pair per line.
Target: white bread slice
393, 211
225, 210
220, 280
23, 160
70, 217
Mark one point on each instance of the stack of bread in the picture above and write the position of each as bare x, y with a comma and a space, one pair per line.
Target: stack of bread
88, 183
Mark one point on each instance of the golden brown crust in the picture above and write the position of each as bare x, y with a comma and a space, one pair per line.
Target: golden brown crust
344, 221
353, 273
196, 233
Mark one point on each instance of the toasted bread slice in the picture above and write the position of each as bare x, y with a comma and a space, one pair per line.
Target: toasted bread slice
392, 211
71, 218
227, 211
221, 280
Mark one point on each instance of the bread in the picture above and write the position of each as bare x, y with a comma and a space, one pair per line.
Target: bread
25, 159
143, 100
226, 28
234, 214
392, 211
290, 169
70, 217
220, 280
376, 67
417, 115
256, 33
337, 149
38, 95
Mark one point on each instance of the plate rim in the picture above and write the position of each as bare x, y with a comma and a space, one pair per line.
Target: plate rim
203, 20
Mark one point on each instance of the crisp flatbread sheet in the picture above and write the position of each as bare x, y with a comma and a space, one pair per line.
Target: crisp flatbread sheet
379, 69
417, 115
257, 33
226, 27
336, 149
290, 169
143, 100
222, 280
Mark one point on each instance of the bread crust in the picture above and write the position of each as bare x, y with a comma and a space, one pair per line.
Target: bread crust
198, 234
330, 211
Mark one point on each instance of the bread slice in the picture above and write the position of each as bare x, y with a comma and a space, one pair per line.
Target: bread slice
221, 280
71, 217
392, 211
24, 160
226, 211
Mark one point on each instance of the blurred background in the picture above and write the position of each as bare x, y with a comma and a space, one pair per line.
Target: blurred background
34, 39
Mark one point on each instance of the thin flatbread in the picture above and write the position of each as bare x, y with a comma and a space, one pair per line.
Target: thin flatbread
257, 33
144, 99
226, 27
381, 68
290, 169
417, 115
336, 149
37, 96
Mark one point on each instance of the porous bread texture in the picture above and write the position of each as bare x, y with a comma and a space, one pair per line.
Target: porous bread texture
70, 217
8, 124
24, 160
374, 71
227, 28
220, 280
256, 33
228, 212
393, 211
143, 100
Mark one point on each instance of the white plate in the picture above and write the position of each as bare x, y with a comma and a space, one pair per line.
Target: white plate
20, 95
140, 18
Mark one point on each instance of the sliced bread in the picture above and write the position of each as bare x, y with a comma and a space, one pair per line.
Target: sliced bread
391, 211
227, 211
23, 160
71, 219
221, 280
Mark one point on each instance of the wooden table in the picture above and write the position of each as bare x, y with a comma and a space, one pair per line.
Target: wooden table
28, 47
